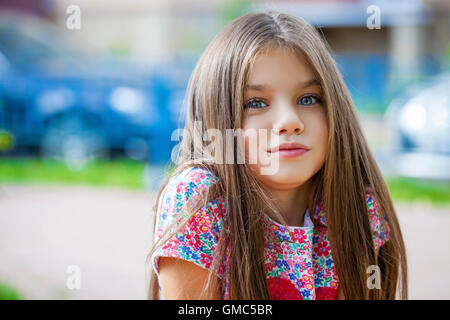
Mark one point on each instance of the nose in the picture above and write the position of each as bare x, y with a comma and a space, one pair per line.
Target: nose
287, 121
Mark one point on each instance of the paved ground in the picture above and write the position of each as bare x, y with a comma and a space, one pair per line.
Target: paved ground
106, 233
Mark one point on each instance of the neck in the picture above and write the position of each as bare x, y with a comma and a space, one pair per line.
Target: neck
293, 203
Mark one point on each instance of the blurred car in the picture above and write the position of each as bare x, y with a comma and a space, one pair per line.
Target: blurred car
420, 121
67, 104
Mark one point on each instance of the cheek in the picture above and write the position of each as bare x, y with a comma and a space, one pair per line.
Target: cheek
253, 144
252, 128
254, 122
320, 133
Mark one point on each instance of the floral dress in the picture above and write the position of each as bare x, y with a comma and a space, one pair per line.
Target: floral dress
298, 260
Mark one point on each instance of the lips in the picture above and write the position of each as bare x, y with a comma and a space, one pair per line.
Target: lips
289, 146
288, 150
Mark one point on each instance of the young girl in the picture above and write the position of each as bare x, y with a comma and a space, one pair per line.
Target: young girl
321, 225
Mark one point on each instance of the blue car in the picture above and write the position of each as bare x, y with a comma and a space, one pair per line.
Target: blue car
420, 122
66, 104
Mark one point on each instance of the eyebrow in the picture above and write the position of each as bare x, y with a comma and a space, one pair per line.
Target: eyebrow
262, 87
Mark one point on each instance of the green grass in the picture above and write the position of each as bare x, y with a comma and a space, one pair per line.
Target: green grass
129, 174
417, 190
8, 293
121, 173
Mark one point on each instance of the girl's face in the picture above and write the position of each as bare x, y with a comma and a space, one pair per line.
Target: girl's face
283, 98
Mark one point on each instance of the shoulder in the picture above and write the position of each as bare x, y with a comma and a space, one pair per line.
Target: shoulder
193, 178
184, 200
187, 188
181, 202
185, 258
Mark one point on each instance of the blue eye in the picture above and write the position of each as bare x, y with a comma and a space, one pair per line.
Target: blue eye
305, 100
253, 104
309, 100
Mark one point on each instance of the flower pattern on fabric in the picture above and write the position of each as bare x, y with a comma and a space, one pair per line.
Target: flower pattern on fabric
380, 225
298, 260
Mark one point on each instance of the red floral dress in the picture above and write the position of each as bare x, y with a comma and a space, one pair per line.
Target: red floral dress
298, 260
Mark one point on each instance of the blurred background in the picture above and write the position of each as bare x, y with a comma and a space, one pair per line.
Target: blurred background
91, 91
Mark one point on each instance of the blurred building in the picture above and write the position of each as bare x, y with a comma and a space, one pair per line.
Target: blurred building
146, 31
164, 38
40, 8
411, 44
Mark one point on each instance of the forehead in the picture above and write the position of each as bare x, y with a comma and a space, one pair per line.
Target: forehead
280, 66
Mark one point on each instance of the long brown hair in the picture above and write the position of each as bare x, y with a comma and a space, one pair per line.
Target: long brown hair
215, 100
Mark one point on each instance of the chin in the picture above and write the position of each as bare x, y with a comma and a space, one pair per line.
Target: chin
286, 179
